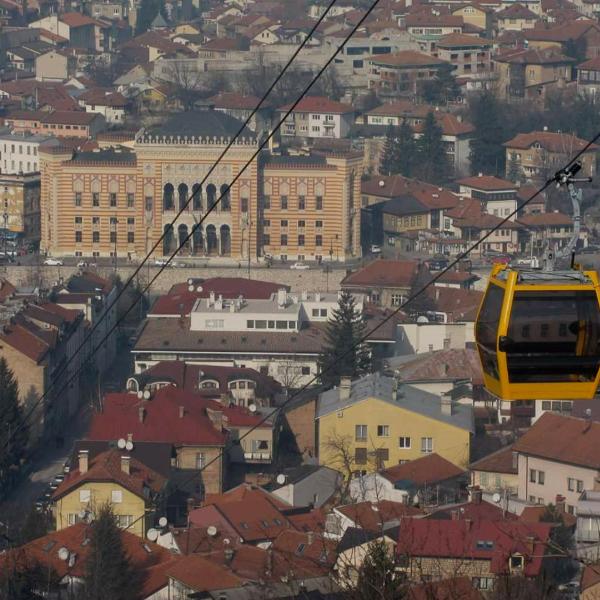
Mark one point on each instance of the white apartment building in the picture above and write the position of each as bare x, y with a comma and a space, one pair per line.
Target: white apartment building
19, 153
317, 117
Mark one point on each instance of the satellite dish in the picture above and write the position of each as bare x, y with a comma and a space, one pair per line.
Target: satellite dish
140, 394
129, 446
416, 499
211, 530
422, 319
199, 288
252, 408
152, 534
588, 412
146, 394
226, 541
190, 288
63, 553
381, 183
496, 498
190, 281
121, 443
162, 521
281, 479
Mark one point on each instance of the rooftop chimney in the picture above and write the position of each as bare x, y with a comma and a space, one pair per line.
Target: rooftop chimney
216, 418
83, 460
310, 538
229, 552
345, 388
125, 462
141, 413
211, 299
281, 298
447, 404
181, 412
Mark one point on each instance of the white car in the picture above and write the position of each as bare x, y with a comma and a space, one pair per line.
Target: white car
162, 262
82, 264
53, 262
300, 266
375, 249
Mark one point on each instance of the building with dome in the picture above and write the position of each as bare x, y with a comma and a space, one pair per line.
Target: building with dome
96, 203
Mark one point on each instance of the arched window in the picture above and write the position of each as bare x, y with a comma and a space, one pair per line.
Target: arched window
197, 197
225, 197
182, 190
168, 197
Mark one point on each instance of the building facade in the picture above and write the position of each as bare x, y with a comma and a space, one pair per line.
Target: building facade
113, 200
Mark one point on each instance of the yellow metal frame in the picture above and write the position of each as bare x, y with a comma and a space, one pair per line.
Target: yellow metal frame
533, 391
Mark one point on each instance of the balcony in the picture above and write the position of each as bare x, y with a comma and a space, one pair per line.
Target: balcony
257, 457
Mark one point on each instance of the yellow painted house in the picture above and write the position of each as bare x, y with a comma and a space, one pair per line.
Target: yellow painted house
374, 423
112, 477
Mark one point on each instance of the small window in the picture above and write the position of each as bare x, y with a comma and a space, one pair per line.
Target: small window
116, 496
360, 456
130, 237
319, 202
284, 202
383, 431
130, 200
113, 199
84, 495
426, 445
95, 199
404, 442
360, 433
546, 405
516, 562
532, 475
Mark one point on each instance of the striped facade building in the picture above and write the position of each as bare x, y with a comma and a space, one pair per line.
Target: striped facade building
121, 200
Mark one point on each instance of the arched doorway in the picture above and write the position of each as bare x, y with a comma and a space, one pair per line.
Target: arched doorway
168, 197
211, 195
197, 196
225, 240
182, 233
225, 198
197, 240
212, 244
168, 240
182, 190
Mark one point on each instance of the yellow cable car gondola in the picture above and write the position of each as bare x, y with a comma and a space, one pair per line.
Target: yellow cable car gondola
538, 330
538, 334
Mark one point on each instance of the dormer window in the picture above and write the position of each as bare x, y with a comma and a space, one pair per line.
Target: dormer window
516, 562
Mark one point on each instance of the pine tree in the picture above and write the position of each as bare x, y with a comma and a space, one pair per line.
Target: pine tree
443, 88
386, 163
377, 578
147, 13
487, 153
340, 355
109, 574
433, 164
21, 577
405, 150
13, 433
35, 526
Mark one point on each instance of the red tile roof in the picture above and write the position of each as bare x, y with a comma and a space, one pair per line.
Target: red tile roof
430, 19
549, 140
451, 364
144, 555
319, 104
408, 59
450, 124
500, 461
593, 64
535, 56
461, 40
383, 273
106, 466
473, 511
455, 588
536, 514
202, 574
563, 439
459, 539
233, 100
181, 300
161, 422
486, 221
430, 469
516, 11
487, 183
590, 576
545, 219
562, 33
372, 515
458, 304
75, 19
102, 97
467, 208
401, 108
24, 340
7, 289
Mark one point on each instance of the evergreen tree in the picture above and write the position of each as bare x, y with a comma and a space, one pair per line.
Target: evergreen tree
147, 13
387, 164
487, 153
513, 169
22, 578
405, 150
443, 88
35, 526
433, 164
377, 578
340, 355
13, 434
109, 574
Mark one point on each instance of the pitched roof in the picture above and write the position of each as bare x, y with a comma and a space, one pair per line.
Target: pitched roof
563, 439
466, 539
545, 219
487, 183
590, 576
428, 469
233, 100
75, 19
401, 108
202, 574
373, 516
450, 364
397, 185
383, 273
102, 97
450, 124
535, 56
500, 461
550, 140
161, 421
458, 304
486, 221
516, 11
562, 33
473, 511
407, 58
453, 588
27, 340
461, 40
319, 104
429, 18
593, 64
106, 466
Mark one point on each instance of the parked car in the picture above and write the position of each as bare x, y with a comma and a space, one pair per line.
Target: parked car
162, 262
375, 249
300, 266
53, 262
437, 264
83, 263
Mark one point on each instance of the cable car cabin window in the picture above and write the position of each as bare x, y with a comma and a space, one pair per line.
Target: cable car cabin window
487, 329
553, 336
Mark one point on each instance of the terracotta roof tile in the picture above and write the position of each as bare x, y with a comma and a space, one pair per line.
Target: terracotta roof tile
564, 439
500, 461
25, 341
551, 141
75, 19
456, 40
372, 515
516, 11
383, 272
451, 364
487, 183
545, 219
233, 100
454, 588
319, 104
407, 58
562, 33
430, 469
202, 574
